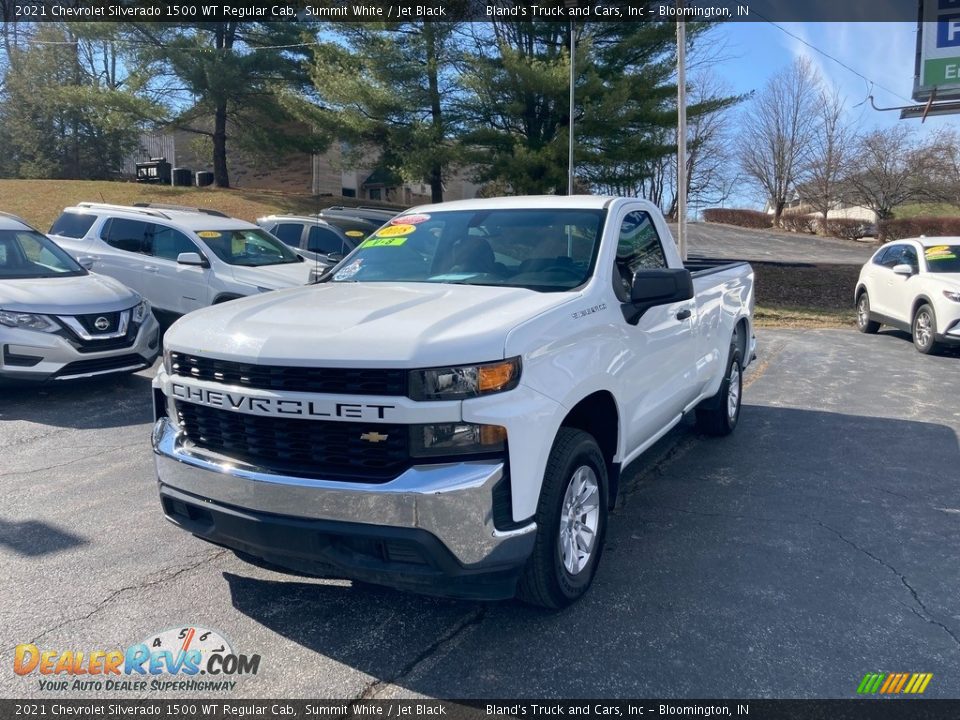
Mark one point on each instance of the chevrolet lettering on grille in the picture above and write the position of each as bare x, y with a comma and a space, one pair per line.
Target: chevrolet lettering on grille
279, 407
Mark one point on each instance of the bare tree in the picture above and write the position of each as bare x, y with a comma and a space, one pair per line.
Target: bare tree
776, 131
889, 169
830, 150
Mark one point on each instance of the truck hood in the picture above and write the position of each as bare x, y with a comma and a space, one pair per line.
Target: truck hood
75, 295
363, 325
274, 277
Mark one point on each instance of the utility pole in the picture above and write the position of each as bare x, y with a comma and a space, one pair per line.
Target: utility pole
573, 77
681, 132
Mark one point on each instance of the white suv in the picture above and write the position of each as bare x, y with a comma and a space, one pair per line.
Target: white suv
913, 285
180, 259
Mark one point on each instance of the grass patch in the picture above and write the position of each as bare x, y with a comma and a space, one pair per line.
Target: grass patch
926, 210
41, 201
792, 317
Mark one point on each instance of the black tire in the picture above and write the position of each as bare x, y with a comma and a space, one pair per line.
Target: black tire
864, 323
715, 415
546, 579
924, 330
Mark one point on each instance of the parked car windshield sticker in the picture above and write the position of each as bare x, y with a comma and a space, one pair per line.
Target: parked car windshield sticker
208, 234
940, 252
354, 233
349, 271
383, 242
392, 231
410, 219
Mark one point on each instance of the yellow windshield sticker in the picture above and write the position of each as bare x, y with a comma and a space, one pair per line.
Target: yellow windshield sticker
940, 252
209, 234
383, 242
395, 231
354, 233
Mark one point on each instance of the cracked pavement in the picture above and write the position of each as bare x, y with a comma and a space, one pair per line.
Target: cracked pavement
816, 544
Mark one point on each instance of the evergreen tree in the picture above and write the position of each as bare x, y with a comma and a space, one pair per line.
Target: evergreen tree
389, 87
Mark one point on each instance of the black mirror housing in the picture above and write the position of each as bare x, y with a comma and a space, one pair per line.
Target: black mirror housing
651, 288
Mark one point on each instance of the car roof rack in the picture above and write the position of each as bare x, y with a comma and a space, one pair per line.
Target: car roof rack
124, 208
182, 208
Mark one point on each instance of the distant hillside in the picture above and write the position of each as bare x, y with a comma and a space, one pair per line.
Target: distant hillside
41, 201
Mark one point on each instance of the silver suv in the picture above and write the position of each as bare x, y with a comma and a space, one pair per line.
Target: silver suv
60, 322
179, 258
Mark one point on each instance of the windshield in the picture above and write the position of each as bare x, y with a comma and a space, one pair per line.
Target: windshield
545, 250
251, 248
28, 254
943, 258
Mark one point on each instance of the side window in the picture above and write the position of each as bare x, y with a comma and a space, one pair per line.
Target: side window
127, 235
169, 243
891, 257
322, 240
289, 233
909, 257
639, 248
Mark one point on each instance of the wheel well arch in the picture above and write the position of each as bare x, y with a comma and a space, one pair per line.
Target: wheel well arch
740, 332
861, 289
597, 415
921, 300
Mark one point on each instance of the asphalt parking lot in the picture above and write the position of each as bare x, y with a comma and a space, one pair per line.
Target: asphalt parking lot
816, 544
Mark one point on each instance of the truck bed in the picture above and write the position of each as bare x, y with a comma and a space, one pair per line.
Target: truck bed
699, 266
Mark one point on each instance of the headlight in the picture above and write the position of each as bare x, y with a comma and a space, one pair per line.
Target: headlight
141, 311
952, 295
456, 439
465, 381
24, 321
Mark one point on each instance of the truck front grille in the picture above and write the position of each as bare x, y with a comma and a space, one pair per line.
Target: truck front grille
345, 381
304, 448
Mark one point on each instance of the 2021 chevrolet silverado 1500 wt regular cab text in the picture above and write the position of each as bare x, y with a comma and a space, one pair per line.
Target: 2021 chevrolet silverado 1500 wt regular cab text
450, 409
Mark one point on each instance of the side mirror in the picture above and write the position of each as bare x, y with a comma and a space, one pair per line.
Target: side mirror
903, 269
191, 258
657, 287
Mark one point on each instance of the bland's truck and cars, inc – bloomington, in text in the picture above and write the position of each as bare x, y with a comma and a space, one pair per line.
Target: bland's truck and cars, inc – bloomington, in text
449, 410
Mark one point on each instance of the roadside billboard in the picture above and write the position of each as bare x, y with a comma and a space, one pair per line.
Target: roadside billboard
938, 50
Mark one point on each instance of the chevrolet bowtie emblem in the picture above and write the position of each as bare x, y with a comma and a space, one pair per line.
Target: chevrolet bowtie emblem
373, 437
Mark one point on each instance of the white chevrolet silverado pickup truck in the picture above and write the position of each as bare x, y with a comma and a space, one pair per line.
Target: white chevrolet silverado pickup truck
450, 409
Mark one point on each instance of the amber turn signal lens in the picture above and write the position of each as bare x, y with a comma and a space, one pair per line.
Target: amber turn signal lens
492, 434
494, 377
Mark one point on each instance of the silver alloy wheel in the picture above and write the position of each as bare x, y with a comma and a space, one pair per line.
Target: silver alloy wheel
862, 313
579, 519
733, 391
924, 328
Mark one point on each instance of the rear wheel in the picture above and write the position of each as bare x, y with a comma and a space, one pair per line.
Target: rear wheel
864, 323
925, 330
571, 523
719, 415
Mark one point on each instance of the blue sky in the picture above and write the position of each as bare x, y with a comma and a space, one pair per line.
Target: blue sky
883, 52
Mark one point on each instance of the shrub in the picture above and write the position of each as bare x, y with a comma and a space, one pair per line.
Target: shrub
847, 228
914, 227
741, 218
799, 223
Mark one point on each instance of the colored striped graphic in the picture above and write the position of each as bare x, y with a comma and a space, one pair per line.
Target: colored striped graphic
894, 683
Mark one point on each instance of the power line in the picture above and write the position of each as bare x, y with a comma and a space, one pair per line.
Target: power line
831, 57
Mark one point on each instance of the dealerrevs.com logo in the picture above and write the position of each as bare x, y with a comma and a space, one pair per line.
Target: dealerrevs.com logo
185, 658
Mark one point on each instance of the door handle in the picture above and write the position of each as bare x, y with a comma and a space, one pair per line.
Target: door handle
683, 314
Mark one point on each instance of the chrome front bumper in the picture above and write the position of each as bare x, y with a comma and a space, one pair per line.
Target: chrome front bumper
452, 502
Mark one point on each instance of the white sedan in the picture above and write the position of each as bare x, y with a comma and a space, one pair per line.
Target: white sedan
913, 285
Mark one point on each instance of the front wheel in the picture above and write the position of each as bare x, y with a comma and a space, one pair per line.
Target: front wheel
925, 330
864, 323
571, 523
